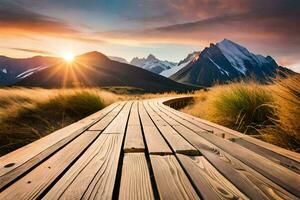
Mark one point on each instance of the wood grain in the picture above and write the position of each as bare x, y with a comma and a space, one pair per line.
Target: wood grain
232, 133
176, 141
277, 173
93, 175
271, 155
155, 142
284, 161
170, 178
118, 125
210, 183
250, 182
134, 119
246, 179
32, 185
135, 178
134, 139
23, 159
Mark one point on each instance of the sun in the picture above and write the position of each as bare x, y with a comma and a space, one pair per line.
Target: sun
68, 57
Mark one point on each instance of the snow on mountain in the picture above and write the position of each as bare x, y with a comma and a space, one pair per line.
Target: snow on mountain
190, 58
228, 61
12, 69
29, 72
151, 63
118, 59
4, 71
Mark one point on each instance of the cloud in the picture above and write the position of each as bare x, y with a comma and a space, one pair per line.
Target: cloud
19, 21
269, 27
14, 17
36, 51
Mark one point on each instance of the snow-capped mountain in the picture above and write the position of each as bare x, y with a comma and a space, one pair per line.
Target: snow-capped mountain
13, 69
228, 61
190, 58
151, 63
118, 59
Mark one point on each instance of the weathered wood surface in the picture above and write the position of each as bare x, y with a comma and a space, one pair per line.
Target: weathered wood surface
20, 161
135, 179
134, 136
172, 182
147, 150
210, 183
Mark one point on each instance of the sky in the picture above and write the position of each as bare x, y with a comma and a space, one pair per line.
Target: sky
169, 29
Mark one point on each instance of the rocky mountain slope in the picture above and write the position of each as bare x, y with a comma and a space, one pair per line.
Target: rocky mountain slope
228, 61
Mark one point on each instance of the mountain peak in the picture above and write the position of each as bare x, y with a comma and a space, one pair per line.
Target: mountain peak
227, 61
93, 54
151, 57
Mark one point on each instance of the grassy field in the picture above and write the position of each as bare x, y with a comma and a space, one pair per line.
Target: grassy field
270, 112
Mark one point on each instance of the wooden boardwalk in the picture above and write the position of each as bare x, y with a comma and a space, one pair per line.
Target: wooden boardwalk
147, 150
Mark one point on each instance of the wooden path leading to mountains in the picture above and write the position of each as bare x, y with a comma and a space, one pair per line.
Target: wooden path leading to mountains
147, 150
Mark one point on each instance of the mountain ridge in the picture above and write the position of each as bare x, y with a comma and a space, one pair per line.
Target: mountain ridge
94, 69
228, 61
153, 64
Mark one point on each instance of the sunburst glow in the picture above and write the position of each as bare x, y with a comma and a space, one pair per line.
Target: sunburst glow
68, 57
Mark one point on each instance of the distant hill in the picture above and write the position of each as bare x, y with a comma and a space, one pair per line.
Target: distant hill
228, 61
96, 69
152, 64
118, 59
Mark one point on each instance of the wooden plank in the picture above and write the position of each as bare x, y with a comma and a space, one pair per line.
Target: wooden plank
155, 142
155, 118
134, 139
176, 141
135, 178
250, 182
171, 121
93, 175
247, 180
271, 155
20, 161
118, 125
134, 119
170, 178
181, 120
145, 119
276, 158
278, 174
100, 126
32, 185
134, 136
284, 153
210, 183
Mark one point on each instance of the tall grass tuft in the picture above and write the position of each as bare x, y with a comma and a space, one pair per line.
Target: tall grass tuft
286, 129
270, 111
30, 114
243, 107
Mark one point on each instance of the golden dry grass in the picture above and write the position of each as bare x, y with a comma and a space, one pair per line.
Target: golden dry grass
29, 114
271, 111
